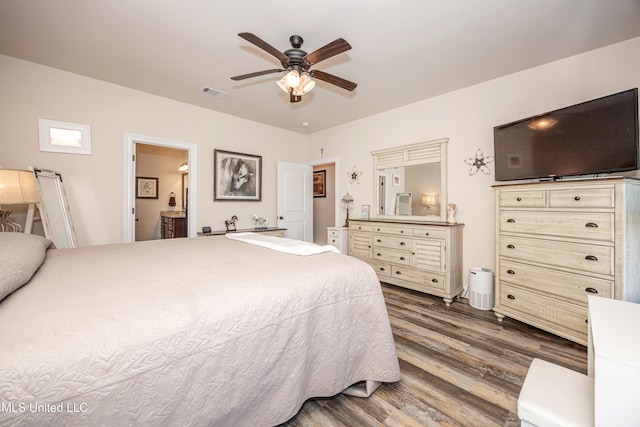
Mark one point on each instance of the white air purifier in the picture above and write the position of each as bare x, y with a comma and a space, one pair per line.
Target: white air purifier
481, 288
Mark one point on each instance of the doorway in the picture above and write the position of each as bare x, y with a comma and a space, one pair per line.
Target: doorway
326, 209
186, 150
159, 165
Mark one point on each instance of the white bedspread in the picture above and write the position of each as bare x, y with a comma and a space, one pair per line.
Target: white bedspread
287, 246
188, 332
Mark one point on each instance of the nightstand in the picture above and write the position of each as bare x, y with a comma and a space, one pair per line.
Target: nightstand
339, 237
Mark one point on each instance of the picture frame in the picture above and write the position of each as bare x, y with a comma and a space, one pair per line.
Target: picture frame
320, 183
395, 180
237, 177
146, 188
365, 211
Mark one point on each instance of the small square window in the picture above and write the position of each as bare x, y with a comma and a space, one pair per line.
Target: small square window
64, 137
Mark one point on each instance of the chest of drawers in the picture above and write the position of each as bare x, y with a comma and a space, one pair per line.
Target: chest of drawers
425, 257
558, 242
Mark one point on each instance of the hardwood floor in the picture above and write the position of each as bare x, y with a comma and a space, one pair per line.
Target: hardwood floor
460, 367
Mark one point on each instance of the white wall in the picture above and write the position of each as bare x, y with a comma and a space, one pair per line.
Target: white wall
467, 117
95, 184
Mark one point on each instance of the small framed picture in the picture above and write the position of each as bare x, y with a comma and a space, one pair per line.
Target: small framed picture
396, 180
146, 188
365, 211
319, 187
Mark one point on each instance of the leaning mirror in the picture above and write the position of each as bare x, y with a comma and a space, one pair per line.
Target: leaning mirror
411, 181
54, 209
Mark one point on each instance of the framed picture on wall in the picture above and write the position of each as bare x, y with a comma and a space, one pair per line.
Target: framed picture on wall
237, 177
319, 183
365, 211
146, 188
396, 180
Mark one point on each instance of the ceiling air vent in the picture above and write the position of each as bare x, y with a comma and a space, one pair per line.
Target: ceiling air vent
212, 92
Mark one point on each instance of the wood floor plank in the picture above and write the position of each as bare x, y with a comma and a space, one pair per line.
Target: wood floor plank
459, 365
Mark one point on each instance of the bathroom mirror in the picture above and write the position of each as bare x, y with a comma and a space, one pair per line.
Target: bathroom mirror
411, 181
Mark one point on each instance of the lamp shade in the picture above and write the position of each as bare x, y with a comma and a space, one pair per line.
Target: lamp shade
347, 199
17, 187
428, 200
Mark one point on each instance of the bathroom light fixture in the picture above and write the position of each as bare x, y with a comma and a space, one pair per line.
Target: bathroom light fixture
184, 167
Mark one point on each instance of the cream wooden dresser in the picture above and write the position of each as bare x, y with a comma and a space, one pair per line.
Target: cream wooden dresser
558, 242
423, 256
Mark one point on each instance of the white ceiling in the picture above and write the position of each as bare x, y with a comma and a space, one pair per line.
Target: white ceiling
403, 50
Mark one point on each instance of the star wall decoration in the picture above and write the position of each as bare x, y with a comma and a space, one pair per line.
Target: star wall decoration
354, 175
479, 163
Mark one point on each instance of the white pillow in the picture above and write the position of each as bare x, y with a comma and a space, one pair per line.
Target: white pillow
20, 257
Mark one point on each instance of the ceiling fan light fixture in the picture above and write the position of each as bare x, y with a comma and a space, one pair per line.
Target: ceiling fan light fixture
282, 84
306, 83
293, 78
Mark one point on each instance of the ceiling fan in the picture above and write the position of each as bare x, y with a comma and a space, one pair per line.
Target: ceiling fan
297, 62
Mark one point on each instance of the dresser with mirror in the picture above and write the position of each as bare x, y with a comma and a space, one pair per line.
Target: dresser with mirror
407, 240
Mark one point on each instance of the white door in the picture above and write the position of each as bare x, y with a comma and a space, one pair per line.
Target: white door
295, 200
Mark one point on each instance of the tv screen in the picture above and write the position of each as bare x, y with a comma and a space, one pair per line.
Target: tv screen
594, 137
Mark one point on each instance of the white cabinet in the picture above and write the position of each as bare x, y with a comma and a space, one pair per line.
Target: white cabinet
559, 242
339, 237
425, 257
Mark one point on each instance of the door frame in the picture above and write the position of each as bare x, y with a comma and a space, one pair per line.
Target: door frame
338, 197
130, 141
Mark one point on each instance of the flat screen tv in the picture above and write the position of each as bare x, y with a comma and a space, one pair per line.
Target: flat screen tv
595, 137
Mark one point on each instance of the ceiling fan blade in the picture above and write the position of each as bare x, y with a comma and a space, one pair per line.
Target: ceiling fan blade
252, 38
327, 51
334, 80
256, 74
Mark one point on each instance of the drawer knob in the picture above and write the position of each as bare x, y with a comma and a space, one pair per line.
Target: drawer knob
378, 254
511, 221
511, 297
398, 272
401, 231
518, 199
511, 247
511, 272
591, 258
378, 229
381, 268
577, 198
402, 258
591, 290
426, 234
359, 228
379, 241
434, 280
591, 225
402, 243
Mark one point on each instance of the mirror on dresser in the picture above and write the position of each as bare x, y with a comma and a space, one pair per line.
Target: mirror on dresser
411, 181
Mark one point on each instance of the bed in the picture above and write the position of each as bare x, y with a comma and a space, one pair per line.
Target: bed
206, 331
